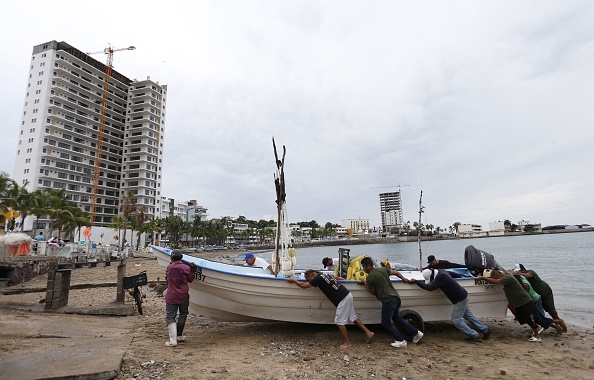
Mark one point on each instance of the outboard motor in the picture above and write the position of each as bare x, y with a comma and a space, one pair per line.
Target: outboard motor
477, 261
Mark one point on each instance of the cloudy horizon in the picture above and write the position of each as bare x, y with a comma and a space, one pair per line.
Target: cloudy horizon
483, 106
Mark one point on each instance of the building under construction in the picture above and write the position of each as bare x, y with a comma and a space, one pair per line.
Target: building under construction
391, 210
62, 124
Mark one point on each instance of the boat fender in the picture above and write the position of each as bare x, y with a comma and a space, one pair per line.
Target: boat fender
292, 252
287, 266
293, 261
288, 273
360, 275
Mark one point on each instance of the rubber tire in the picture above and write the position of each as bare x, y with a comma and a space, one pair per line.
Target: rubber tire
138, 298
414, 319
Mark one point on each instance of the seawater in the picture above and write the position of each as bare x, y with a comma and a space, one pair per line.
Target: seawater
562, 260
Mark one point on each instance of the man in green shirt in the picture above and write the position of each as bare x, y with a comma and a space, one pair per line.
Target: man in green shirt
378, 283
518, 298
545, 291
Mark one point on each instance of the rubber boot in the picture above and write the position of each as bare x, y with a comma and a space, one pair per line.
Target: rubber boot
172, 335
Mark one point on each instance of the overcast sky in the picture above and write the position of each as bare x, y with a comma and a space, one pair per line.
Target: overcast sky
485, 106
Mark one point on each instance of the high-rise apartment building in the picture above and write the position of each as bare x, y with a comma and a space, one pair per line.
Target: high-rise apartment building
57, 145
391, 210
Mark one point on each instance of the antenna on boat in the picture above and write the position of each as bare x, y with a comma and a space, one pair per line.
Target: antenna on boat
421, 210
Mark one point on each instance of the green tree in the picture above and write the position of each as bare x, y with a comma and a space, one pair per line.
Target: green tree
40, 206
127, 208
141, 218
528, 228
174, 228
117, 223
18, 198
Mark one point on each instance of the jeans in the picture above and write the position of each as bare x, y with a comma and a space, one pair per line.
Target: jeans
539, 315
462, 312
391, 319
172, 309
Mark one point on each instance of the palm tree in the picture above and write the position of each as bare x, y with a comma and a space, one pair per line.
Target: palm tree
75, 220
40, 206
196, 230
174, 227
60, 208
18, 198
141, 217
127, 207
117, 223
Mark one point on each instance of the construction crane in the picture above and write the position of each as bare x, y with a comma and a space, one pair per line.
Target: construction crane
387, 187
108, 66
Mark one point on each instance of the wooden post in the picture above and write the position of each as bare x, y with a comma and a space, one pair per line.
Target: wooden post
49, 293
120, 289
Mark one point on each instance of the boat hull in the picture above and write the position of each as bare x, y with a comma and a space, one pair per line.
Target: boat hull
230, 293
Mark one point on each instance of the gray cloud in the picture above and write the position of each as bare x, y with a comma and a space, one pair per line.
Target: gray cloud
485, 106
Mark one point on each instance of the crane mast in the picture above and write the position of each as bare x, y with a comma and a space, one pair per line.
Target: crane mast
108, 67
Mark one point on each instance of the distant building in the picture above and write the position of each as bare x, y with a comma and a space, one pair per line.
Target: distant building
471, 230
194, 211
357, 225
391, 210
526, 226
497, 228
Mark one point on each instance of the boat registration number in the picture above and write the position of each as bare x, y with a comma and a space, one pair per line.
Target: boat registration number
488, 285
198, 275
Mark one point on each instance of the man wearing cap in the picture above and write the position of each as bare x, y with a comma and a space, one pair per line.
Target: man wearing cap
441, 264
341, 297
545, 291
253, 261
177, 275
518, 299
329, 263
378, 283
539, 313
458, 296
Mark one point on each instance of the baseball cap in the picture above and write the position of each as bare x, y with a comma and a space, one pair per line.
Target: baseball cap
384, 263
519, 267
248, 255
430, 258
427, 275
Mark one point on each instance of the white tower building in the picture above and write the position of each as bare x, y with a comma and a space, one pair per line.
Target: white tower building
57, 145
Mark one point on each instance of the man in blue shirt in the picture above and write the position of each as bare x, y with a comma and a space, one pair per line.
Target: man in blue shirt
458, 296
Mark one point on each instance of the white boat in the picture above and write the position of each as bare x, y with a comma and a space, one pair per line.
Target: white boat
237, 293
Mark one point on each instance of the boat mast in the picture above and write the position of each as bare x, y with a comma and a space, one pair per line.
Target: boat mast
284, 256
419, 230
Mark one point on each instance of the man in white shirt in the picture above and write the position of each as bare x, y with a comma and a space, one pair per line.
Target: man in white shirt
329, 263
253, 261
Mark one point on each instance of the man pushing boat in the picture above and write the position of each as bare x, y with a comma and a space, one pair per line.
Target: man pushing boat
341, 297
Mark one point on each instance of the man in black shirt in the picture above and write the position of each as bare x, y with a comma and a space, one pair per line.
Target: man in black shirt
441, 264
340, 297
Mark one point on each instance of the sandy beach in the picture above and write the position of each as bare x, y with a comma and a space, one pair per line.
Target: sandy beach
222, 350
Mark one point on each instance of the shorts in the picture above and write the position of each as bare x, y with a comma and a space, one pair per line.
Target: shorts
525, 315
345, 311
548, 302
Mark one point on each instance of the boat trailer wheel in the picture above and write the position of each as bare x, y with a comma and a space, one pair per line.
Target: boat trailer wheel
414, 319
